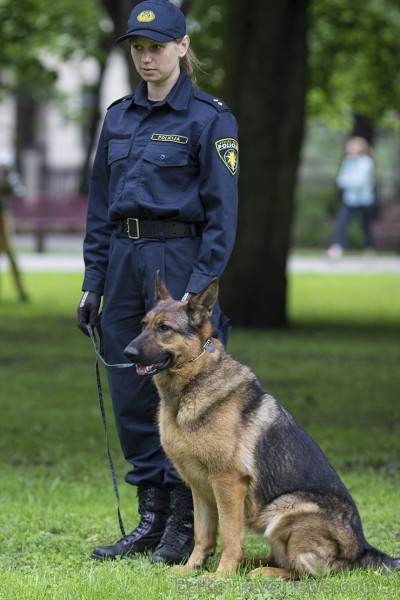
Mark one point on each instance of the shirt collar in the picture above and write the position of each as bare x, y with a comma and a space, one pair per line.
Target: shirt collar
178, 98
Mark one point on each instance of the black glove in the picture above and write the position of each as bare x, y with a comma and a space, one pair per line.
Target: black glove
88, 310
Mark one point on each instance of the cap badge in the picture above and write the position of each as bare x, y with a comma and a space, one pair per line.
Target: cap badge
228, 151
146, 16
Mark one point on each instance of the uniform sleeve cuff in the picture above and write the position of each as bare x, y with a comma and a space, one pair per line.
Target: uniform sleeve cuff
197, 283
187, 296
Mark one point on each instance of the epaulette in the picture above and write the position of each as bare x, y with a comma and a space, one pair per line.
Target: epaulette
210, 99
127, 97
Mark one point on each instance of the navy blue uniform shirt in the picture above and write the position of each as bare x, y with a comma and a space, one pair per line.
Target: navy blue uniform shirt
175, 159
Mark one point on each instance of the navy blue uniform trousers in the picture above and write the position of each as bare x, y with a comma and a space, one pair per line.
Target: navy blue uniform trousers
128, 296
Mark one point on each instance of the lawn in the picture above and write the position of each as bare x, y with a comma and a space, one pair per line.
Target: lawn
336, 369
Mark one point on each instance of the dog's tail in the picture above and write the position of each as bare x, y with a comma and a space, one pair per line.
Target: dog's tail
372, 557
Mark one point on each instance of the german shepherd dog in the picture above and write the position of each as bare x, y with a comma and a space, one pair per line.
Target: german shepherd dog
246, 460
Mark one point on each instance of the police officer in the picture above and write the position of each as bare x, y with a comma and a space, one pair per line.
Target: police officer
163, 195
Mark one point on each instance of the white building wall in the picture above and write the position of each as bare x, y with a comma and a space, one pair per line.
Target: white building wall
7, 125
60, 132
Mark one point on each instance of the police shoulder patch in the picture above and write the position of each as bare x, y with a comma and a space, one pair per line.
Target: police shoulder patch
215, 102
127, 97
228, 151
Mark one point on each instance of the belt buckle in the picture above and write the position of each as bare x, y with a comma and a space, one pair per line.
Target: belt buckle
135, 236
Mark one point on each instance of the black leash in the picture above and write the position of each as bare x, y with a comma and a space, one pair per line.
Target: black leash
103, 415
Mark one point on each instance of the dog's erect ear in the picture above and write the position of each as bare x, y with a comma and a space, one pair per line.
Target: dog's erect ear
201, 306
161, 292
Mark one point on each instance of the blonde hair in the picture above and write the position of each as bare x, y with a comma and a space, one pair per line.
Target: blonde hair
363, 145
190, 63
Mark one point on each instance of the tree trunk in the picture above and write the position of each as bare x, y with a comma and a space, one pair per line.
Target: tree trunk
363, 126
118, 11
94, 115
266, 87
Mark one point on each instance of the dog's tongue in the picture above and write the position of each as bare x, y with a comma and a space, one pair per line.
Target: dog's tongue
145, 369
152, 369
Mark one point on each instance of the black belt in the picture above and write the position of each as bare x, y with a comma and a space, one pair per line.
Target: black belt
135, 229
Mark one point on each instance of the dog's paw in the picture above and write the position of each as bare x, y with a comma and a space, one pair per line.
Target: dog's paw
224, 571
213, 575
273, 572
184, 569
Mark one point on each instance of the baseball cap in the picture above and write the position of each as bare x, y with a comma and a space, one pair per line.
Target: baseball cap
158, 20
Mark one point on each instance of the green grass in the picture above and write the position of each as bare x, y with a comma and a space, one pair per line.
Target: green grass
336, 370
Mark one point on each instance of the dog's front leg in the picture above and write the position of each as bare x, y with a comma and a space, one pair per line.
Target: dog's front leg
205, 533
230, 491
205, 530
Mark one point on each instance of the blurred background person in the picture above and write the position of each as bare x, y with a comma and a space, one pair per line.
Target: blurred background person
11, 187
356, 180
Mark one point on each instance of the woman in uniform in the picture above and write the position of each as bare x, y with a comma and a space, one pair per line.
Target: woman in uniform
163, 196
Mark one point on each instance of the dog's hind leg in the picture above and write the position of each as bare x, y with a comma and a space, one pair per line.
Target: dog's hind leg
311, 544
268, 567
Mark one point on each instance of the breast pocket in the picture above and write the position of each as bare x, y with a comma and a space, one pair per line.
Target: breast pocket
118, 151
164, 171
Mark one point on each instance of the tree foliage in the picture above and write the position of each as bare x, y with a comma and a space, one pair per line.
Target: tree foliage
33, 29
354, 61
206, 23
354, 58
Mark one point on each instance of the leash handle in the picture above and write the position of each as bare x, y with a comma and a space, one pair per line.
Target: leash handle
103, 416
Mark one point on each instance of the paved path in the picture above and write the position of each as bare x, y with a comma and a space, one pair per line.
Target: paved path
72, 262
349, 265
64, 254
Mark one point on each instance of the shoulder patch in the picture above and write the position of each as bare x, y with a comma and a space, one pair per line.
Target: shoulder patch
228, 151
127, 97
217, 103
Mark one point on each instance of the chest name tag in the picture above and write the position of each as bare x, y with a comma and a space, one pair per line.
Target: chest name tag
228, 151
169, 137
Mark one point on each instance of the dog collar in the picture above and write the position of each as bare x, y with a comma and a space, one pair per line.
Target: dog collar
208, 347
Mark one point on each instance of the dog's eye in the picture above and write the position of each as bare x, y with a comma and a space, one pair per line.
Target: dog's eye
163, 327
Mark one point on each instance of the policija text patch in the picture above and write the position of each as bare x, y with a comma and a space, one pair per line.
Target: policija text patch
228, 151
169, 137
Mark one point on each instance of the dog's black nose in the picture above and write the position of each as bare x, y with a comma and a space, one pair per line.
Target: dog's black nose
131, 353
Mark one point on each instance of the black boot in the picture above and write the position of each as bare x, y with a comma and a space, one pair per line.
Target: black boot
177, 542
154, 505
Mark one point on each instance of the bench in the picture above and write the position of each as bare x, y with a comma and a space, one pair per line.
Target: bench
46, 213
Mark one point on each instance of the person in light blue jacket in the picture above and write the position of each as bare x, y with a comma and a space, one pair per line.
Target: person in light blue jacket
356, 179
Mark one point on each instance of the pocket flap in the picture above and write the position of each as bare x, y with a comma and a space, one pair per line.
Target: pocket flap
118, 149
166, 155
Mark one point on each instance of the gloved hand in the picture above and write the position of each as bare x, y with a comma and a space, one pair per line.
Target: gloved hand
88, 310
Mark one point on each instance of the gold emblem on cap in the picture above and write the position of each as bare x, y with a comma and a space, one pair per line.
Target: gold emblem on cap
146, 16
